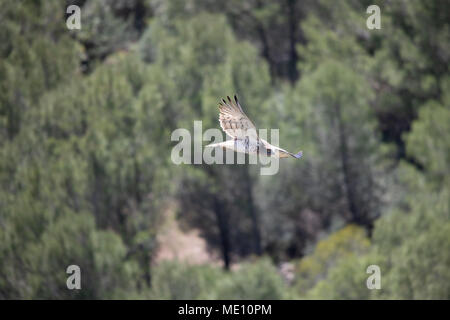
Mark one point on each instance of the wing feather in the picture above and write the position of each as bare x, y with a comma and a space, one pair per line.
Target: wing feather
234, 121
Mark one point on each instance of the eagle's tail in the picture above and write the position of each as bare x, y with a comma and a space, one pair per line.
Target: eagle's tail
297, 155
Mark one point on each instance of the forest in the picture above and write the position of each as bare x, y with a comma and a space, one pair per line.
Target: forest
86, 176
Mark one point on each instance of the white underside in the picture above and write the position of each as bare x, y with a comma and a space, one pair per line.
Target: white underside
238, 145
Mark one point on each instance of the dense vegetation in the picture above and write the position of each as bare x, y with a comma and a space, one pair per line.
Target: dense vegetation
86, 176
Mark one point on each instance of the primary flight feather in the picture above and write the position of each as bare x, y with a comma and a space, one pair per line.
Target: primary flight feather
237, 125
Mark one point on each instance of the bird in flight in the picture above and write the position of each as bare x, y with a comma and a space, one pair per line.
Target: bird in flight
237, 125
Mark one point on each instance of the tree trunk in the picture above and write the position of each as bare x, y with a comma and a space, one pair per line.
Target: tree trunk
224, 231
293, 24
253, 214
349, 187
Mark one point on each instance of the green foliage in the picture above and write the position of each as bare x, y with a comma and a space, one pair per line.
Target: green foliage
102, 31
420, 269
347, 151
427, 142
344, 245
76, 162
256, 281
347, 280
410, 242
402, 60
176, 280
28, 66
85, 171
70, 239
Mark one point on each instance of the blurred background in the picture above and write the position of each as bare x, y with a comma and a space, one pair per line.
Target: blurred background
86, 176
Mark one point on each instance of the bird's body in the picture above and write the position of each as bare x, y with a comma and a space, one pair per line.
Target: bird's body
249, 146
236, 124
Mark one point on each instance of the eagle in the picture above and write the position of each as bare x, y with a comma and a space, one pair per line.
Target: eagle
237, 125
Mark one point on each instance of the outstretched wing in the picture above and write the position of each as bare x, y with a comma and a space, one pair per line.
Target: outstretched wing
234, 121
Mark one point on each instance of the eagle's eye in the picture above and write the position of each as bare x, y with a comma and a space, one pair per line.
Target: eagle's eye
269, 152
